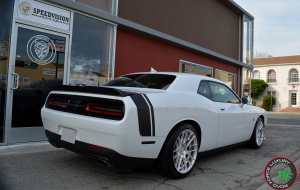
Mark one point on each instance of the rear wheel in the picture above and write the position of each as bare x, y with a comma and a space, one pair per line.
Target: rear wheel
258, 135
179, 153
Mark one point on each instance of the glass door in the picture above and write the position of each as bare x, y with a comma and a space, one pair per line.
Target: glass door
38, 67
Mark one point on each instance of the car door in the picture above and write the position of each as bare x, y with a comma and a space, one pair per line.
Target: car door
234, 117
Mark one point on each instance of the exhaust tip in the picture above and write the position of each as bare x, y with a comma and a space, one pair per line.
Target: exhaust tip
102, 162
54, 144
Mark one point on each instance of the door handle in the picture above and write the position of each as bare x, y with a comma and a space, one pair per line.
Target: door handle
222, 109
16, 81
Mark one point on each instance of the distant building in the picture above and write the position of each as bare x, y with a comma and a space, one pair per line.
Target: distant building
282, 76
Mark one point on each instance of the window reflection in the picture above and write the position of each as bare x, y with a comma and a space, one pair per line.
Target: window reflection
227, 78
186, 67
90, 56
246, 82
38, 76
221, 93
247, 41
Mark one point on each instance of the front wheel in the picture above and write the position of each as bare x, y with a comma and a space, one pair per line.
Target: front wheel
258, 135
179, 153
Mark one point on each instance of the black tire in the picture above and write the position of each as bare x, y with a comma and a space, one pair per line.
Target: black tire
253, 142
185, 155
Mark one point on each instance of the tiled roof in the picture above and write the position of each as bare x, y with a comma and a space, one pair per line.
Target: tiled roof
276, 60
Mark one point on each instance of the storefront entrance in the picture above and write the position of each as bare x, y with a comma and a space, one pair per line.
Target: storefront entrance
37, 66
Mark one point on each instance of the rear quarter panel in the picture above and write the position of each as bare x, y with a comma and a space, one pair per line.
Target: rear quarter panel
174, 107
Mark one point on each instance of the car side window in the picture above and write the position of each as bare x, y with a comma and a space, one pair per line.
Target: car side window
222, 93
204, 89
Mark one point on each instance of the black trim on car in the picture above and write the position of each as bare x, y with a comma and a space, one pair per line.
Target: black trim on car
148, 142
143, 114
107, 155
152, 114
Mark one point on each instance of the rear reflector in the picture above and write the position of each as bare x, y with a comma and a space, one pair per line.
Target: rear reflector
62, 103
99, 147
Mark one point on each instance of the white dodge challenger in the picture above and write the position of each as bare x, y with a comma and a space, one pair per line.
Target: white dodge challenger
142, 118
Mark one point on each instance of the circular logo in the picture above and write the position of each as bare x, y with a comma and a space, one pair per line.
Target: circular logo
25, 8
280, 173
41, 49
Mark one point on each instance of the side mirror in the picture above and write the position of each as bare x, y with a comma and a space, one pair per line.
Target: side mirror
245, 100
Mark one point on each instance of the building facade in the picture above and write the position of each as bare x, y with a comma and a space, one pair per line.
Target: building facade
282, 76
44, 43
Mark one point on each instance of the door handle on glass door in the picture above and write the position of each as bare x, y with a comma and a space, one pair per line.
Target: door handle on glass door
16, 81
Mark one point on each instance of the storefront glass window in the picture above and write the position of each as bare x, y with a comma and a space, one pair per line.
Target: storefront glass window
187, 67
91, 56
104, 5
40, 65
5, 32
247, 41
228, 78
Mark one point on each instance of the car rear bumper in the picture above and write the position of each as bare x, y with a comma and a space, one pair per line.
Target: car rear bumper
105, 155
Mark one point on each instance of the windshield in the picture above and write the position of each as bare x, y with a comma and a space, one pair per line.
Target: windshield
156, 81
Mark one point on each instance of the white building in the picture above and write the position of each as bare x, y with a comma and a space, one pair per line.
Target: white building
282, 76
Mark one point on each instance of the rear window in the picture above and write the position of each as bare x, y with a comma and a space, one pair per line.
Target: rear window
156, 81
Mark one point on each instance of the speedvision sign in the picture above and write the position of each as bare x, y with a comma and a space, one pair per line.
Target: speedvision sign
44, 14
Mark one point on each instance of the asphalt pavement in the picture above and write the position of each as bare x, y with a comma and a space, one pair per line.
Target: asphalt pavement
41, 166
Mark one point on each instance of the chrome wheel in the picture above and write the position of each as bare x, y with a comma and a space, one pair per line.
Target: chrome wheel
260, 134
185, 151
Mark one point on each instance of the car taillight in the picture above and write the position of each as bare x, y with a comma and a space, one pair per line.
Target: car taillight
62, 103
104, 109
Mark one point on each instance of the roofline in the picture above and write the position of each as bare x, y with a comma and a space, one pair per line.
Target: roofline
148, 32
236, 8
275, 64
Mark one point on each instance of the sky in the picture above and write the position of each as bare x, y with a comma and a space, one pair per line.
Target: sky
276, 25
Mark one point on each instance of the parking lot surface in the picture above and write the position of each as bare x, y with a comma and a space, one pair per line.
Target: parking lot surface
41, 166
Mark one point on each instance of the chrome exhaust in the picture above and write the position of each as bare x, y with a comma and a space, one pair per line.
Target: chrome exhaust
102, 162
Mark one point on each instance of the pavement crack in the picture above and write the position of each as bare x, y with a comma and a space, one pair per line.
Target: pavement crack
164, 183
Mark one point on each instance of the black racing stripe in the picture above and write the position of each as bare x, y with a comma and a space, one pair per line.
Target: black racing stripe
143, 114
152, 115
